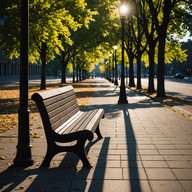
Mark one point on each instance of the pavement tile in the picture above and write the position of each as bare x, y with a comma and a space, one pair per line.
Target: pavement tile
45, 185
105, 173
109, 163
133, 157
179, 164
148, 152
184, 146
161, 141
169, 152
186, 151
151, 158
146, 146
188, 157
155, 164
144, 142
165, 147
166, 186
173, 157
134, 174
187, 185
110, 185
130, 164
183, 174
160, 174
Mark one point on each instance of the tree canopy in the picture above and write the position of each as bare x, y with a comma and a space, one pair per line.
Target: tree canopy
88, 29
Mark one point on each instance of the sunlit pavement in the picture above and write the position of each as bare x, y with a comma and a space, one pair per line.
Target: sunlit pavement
146, 146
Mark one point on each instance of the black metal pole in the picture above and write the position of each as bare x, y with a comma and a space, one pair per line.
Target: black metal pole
23, 156
108, 70
113, 69
122, 97
110, 55
116, 82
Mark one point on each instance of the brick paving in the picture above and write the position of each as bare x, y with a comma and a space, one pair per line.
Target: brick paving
146, 147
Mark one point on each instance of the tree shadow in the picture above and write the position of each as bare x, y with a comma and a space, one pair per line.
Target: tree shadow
65, 177
132, 153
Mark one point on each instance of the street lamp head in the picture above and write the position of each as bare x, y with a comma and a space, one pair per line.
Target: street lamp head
123, 10
115, 47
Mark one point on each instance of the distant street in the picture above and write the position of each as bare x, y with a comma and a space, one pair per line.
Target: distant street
181, 88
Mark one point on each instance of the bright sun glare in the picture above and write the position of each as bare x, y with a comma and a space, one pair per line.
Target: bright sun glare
123, 9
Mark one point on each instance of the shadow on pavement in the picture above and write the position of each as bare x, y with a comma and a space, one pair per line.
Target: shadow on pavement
67, 177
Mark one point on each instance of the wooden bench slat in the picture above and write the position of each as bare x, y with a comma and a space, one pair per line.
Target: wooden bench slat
54, 92
56, 104
62, 97
84, 120
76, 125
60, 118
92, 125
89, 117
67, 123
63, 109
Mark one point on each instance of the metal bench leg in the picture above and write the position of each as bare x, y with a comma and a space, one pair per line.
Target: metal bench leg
97, 131
48, 157
80, 151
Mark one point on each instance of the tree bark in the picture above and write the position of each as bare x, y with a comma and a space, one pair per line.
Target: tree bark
63, 68
43, 70
161, 66
131, 73
139, 72
151, 87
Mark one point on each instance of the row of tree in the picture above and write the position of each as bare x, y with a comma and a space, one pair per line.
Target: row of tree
81, 32
153, 30
57, 29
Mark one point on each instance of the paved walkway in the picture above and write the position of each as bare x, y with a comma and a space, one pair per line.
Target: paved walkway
146, 147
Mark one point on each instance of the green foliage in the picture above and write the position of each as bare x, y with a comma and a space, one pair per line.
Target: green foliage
50, 21
9, 28
174, 52
89, 27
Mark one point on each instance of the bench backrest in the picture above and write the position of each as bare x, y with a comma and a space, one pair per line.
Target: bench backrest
56, 106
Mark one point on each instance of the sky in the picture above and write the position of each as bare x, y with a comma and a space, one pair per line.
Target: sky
186, 37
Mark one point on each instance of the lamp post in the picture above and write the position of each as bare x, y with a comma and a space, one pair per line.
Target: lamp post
23, 156
123, 9
113, 69
110, 56
107, 69
126, 74
116, 81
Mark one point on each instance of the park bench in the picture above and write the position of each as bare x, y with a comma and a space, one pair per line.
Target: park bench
64, 123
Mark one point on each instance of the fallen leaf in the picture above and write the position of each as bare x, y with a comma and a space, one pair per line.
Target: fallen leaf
2, 158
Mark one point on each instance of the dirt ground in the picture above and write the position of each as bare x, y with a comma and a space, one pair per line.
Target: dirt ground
9, 102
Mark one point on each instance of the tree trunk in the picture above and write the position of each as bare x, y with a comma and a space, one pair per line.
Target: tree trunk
63, 76
80, 74
161, 66
131, 73
63, 68
139, 72
151, 87
73, 70
162, 33
84, 74
77, 74
43, 70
